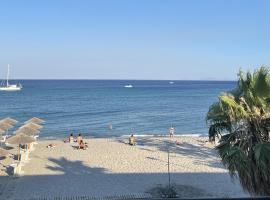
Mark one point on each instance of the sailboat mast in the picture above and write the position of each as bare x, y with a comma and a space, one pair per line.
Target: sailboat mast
7, 74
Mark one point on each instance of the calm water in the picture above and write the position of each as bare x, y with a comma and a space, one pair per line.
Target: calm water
89, 106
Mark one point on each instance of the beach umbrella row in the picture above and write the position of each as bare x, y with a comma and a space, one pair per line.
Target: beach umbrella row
30, 127
6, 124
24, 135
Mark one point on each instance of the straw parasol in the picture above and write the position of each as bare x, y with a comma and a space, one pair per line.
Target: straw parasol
27, 131
5, 125
10, 121
3, 152
32, 125
20, 139
35, 120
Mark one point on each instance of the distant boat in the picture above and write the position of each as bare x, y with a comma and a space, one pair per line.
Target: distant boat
128, 86
171, 82
7, 87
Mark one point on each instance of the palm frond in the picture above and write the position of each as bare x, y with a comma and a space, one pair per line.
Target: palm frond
242, 118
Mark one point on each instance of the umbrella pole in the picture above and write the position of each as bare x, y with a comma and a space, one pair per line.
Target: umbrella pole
19, 153
6, 133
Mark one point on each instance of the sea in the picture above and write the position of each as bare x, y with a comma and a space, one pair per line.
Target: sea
106, 108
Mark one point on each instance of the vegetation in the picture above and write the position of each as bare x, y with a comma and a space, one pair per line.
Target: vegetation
241, 119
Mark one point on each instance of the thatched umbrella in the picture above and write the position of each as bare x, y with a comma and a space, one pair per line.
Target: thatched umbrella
3, 152
20, 139
5, 125
10, 121
27, 131
35, 120
32, 125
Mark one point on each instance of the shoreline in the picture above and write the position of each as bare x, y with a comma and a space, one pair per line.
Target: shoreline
41, 138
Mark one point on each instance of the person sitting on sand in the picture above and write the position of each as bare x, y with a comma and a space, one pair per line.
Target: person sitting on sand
79, 138
131, 140
82, 145
71, 138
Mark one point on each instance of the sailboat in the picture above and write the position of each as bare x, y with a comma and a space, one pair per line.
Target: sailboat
8, 87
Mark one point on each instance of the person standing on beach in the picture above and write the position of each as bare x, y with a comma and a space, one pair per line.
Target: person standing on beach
171, 131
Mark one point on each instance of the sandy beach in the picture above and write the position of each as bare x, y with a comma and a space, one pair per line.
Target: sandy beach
111, 167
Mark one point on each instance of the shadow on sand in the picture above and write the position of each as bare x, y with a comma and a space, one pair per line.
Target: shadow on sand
73, 178
193, 151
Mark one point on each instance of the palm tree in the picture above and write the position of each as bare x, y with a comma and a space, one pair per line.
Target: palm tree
241, 118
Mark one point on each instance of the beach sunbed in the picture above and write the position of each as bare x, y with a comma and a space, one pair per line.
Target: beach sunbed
15, 169
24, 157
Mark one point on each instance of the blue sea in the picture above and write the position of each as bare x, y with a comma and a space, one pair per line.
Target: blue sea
89, 106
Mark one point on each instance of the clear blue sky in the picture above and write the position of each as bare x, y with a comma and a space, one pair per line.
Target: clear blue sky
133, 39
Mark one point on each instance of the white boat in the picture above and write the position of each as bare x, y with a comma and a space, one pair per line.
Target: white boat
128, 86
171, 82
10, 87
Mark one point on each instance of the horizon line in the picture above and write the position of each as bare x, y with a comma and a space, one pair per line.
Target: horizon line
89, 79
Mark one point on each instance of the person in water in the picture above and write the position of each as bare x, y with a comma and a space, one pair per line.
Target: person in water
110, 127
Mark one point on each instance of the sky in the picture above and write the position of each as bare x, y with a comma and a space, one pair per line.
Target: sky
133, 39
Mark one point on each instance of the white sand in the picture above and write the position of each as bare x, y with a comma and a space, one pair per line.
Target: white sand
109, 167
